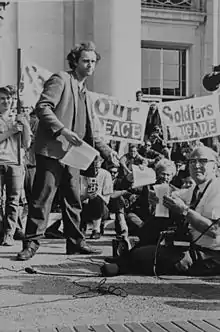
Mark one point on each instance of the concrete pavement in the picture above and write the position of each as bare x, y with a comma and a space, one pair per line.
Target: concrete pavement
38, 300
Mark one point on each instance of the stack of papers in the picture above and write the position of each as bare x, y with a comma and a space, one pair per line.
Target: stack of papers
161, 190
80, 157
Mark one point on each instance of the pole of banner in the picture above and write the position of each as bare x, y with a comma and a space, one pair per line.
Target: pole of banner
18, 100
215, 32
215, 49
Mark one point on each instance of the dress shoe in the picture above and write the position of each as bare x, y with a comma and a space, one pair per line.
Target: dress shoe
26, 254
81, 248
95, 235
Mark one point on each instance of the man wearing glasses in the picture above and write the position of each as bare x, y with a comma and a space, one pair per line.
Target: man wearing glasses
199, 206
147, 152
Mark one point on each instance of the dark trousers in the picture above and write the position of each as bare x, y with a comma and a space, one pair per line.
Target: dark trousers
11, 178
134, 223
95, 208
28, 181
194, 261
51, 174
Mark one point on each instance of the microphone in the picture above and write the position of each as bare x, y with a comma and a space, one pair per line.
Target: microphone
30, 270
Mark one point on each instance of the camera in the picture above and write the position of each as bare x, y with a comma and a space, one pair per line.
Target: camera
168, 236
92, 185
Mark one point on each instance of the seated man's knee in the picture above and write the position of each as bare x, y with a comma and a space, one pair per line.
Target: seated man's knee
133, 219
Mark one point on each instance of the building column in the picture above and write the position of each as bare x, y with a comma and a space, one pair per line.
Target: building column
117, 35
8, 46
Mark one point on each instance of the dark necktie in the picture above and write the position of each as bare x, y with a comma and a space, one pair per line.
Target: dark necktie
195, 197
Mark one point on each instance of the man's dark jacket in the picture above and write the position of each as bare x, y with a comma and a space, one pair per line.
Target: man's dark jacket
57, 109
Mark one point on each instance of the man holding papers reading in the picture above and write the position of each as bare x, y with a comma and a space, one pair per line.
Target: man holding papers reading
67, 117
199, 207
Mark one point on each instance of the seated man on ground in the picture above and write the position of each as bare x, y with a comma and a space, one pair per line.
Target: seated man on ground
131, 158
151, 155
96, 199
157, 139
141, 219
117, 203
200, 208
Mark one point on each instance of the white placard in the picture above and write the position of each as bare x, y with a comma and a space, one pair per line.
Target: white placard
80, 157
143, 176
161, 190
190, 119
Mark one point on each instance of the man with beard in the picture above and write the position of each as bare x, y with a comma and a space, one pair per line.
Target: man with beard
66, 117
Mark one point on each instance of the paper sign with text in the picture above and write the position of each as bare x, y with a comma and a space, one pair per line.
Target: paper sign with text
190, 119
121, 120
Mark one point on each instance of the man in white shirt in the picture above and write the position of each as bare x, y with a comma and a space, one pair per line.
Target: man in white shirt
96, 199
200, 206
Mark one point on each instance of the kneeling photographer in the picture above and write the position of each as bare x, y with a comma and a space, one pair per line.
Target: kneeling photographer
199, 207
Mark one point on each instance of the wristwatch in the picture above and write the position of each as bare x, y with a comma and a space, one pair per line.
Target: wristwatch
185, 211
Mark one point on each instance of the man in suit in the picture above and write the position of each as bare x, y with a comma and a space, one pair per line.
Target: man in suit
66, 117
200, 206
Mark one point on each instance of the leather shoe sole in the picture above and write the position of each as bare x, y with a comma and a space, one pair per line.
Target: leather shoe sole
26, 254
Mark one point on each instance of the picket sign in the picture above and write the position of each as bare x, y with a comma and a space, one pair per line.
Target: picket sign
183, 120
190, 119
119, 120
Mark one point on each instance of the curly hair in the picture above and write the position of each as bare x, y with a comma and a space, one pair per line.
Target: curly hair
165, 163
75, 53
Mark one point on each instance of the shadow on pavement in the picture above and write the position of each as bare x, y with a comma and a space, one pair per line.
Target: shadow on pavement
52, 285
194, 305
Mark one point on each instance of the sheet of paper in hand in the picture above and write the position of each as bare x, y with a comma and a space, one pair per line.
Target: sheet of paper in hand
161, 190
142, 177
80, 157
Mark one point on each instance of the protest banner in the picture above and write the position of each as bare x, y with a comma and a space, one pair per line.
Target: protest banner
121, 120
190, 119
118, 120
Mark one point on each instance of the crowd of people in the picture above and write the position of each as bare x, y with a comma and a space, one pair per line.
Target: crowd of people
33, 181
194, 215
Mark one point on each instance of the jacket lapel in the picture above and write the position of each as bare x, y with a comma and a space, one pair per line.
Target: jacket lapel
74, 88
88, 106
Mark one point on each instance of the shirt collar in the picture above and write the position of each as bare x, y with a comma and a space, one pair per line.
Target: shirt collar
203, 185
83, 89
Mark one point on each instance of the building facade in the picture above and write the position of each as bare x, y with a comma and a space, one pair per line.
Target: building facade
163, 47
